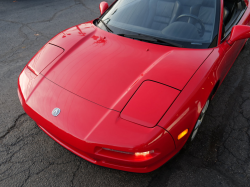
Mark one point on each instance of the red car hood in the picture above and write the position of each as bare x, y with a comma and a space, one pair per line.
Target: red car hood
107, 69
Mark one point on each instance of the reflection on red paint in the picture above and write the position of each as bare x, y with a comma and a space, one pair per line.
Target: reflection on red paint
95, 37
99, 40
64, 35
80, 31
78, 28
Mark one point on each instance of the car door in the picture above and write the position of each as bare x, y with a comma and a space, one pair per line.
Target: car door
240, 16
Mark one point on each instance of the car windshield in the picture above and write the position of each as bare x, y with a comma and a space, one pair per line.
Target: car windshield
189, 23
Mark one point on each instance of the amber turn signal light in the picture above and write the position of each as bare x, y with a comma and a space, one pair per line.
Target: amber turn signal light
181, 135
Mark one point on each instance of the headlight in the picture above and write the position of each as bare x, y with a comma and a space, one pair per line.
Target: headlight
44, 57
149, 103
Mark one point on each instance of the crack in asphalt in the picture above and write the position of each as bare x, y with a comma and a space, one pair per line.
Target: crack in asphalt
14, 49
74, 173
83, 4
54, 15
12, 127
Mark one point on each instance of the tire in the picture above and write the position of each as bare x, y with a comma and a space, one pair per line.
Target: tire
197, 125
199, 121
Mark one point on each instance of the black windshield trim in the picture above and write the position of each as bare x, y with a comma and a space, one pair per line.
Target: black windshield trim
151, 39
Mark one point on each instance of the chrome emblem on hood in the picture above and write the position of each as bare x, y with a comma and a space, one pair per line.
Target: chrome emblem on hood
56, 112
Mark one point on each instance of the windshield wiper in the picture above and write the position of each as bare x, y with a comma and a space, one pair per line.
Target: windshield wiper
108, 29
150, 39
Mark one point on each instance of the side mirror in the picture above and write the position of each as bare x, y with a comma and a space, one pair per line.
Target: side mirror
239, 32
103, 7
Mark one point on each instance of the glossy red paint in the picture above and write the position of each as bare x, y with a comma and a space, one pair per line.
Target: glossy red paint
98, 53
42, 59
103, 7
107, 92
239, 32
141, 110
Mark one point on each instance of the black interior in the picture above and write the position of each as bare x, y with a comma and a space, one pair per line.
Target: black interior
226, 15
232, 10
229, 7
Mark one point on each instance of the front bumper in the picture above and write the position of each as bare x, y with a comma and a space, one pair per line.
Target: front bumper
108, 130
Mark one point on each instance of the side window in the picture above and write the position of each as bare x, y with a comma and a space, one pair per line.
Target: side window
233, 11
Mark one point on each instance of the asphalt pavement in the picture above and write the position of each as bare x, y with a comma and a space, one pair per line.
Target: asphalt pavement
219, 155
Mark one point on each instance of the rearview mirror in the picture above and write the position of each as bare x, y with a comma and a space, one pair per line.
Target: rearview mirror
103, 7
239, 32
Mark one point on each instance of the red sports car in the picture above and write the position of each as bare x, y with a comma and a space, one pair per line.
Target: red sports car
129, 89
